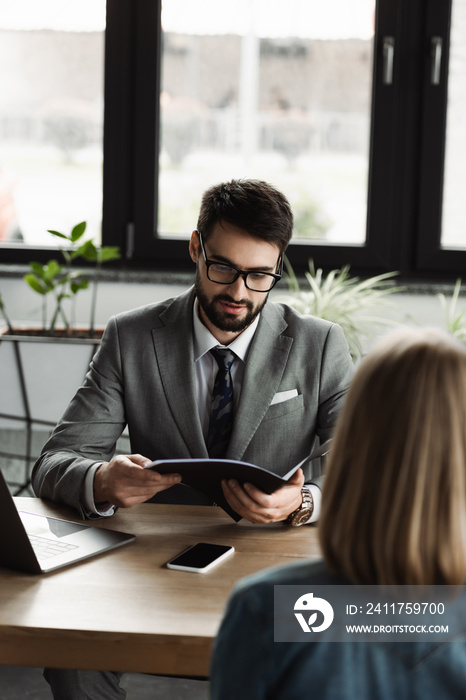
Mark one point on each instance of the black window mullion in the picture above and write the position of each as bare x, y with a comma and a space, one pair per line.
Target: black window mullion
408, 144
118, 123
383, 145
148, 42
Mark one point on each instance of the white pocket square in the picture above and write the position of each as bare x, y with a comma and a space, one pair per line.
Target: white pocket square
284, 396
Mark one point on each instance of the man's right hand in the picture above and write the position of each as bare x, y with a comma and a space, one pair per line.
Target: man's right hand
124, 482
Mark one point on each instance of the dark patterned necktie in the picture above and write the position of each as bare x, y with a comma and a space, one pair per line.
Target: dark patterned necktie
221, 411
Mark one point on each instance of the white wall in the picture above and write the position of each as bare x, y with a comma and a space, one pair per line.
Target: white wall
23, 304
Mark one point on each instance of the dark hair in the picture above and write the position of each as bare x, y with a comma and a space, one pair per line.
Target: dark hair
252, 205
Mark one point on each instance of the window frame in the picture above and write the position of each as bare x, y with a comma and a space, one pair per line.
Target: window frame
431, 257
405, 178
145, 243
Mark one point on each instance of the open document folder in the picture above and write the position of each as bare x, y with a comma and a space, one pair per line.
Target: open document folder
206, 475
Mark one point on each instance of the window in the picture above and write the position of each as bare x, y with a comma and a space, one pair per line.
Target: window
454, 211
441, 230
51, 118
282, 97
353, 109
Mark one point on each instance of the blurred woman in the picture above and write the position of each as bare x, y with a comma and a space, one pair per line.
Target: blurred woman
393, 513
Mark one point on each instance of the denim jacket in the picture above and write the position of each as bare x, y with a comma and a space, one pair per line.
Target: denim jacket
248, 665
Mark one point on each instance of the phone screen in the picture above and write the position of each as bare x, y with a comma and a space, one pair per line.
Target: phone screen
200, 557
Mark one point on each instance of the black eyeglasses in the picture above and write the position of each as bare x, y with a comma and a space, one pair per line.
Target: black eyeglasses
255, 280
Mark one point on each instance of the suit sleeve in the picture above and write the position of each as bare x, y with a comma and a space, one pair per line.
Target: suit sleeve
88, 431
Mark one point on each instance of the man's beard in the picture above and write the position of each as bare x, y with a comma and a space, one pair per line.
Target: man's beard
221, 320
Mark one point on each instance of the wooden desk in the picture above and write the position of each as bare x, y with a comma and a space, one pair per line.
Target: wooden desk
124, 610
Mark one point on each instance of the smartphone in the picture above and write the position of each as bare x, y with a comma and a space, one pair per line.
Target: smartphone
201, 557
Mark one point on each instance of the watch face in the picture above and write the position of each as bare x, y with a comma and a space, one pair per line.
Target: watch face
302, 517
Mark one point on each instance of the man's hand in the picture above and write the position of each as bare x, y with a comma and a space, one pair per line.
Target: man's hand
259, 507
124, 482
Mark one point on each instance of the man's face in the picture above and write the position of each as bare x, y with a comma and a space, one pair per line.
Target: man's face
227, 309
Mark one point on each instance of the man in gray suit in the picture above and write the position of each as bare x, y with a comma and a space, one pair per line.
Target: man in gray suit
155, 373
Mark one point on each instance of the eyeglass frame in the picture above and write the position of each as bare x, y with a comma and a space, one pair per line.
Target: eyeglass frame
276, 276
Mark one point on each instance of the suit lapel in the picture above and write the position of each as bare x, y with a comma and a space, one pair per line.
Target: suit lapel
264, 369
175, 359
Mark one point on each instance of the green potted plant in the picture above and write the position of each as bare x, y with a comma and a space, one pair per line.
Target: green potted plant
43, 364
356, 305
62, 282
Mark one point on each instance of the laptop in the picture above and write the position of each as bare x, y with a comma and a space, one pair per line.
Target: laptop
37, 544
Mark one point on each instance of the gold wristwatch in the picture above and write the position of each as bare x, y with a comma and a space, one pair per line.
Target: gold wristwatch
303, 514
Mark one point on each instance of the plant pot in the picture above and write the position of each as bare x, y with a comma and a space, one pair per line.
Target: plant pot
39, 375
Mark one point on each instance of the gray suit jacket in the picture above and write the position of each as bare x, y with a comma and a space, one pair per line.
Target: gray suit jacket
143, 376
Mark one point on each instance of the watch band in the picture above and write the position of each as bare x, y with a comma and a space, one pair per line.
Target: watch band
303, 514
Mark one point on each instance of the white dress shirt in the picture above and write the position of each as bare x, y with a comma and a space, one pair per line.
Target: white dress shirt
206, 366
206, 369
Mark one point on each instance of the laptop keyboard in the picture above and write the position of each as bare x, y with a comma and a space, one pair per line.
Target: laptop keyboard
45, 548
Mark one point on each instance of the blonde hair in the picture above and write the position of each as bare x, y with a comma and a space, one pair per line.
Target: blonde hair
394, 499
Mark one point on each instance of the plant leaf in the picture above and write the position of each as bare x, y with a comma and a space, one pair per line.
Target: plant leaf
87, 251
78, 231
77, 285
57, 233
455, 321
51, 270
37, 268
36, 284
109, 253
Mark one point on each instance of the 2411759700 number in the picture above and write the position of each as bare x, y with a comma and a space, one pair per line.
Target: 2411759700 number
405, 608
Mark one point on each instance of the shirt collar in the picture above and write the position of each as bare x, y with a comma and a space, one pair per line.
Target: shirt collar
205, 341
